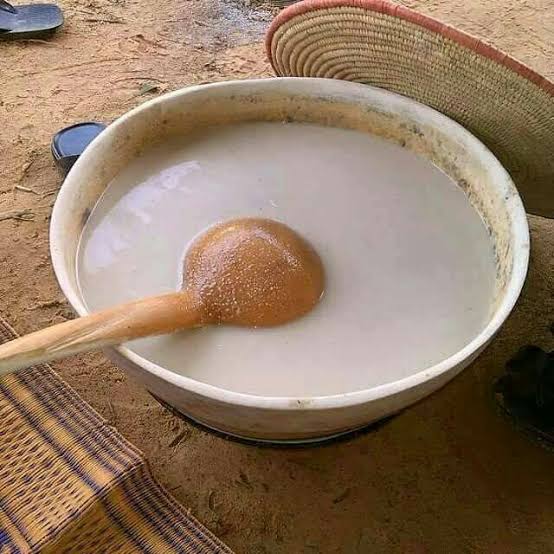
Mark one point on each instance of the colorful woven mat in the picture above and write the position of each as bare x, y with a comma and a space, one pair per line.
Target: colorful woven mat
380, 43
70, 483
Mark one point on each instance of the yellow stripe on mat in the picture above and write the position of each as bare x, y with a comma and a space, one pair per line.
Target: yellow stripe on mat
69, 483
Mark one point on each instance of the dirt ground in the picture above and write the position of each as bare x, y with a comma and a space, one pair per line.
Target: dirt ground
449, 475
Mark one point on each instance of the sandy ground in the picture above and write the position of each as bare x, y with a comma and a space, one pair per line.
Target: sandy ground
449, 475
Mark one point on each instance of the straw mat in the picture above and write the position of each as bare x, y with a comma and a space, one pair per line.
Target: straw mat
69, 483
504, 103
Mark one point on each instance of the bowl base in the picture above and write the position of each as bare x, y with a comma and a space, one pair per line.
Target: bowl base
277, 443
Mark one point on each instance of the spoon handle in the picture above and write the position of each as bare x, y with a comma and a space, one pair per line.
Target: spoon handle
155, 315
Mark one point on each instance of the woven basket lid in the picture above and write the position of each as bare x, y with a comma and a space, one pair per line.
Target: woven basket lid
501, 101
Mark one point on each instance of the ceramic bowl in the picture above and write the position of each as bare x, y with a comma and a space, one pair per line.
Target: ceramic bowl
327, 102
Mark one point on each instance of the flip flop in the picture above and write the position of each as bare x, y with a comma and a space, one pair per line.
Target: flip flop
69, 143
29, 20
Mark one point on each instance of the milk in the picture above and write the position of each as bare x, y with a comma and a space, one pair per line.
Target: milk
409, 264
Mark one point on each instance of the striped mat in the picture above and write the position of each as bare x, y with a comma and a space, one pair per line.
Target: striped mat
70, 483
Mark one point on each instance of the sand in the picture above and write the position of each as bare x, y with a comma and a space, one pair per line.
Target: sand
448, 475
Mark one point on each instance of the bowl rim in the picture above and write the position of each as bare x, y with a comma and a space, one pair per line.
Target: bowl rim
313, 86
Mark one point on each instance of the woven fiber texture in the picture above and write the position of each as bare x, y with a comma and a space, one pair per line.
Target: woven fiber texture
69, 483
501, 101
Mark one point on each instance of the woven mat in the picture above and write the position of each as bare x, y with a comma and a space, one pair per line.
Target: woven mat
70, 483
503, 102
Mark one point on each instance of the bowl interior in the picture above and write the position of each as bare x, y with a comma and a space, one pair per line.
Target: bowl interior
323, 102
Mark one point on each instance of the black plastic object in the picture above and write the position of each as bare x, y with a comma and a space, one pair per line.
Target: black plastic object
69, 143
268, 443
526, 393
28, 20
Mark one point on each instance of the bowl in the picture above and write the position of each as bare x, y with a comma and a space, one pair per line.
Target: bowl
419, 128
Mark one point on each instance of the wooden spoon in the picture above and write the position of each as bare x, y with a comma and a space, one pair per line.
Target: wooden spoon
248, 272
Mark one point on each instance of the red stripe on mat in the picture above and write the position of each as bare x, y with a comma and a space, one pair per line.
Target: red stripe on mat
401, 12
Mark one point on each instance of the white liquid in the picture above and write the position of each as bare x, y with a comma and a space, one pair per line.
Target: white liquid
409, 264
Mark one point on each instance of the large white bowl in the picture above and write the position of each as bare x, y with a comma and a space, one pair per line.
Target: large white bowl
327, 102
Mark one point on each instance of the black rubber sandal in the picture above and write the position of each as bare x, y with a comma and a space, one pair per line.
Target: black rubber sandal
69, 143
29, 20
